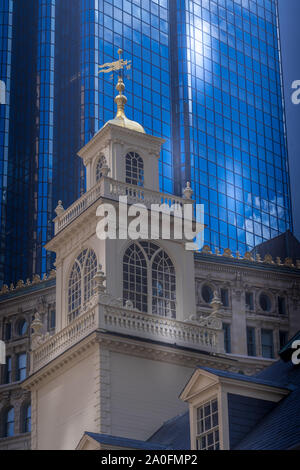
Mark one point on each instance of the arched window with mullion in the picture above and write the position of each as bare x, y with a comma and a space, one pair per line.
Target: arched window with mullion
163, 286
90, 269
81, 282
134, 169
75, 290
149, 279
135, 286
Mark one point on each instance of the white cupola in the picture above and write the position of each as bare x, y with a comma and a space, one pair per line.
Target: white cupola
122, 150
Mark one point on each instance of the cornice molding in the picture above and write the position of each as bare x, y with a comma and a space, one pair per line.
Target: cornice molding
116, 134
249, 272
140, 348
28, 301
241, 264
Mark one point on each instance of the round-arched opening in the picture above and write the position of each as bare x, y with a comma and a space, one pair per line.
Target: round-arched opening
207, 293
265, 302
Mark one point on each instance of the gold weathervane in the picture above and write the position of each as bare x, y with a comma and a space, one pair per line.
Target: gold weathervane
120, 64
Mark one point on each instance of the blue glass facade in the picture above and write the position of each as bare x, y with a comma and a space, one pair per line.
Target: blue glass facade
20, 137
231, 119
206, 76
6, 13
44, 140
141, 29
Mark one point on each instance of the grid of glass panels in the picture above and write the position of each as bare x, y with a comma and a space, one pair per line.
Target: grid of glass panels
232, 113
141, 29
74, 291
27, 419
207, 437
135, 283
21, 141
267, 345
163, 286
45, 105
206, 77
9, 422
134, 169
6, 17
81, 282
22, 366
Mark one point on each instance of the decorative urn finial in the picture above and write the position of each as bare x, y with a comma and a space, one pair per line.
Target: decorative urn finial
216, 303
188, 192
99, 280
59, 210
37, 335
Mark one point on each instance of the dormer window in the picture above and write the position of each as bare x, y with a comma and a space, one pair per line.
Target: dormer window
208, 437
134, 169
99, 168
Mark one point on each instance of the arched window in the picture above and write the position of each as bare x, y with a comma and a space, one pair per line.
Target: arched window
100, 164
265, 302
207, 293
90, 269
75, 290
26, 418
22, 327
134, 169
149, 279
163, 286
80, 288
9, 423
135, 277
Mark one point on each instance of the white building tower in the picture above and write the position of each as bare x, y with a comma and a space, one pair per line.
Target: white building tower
126, 338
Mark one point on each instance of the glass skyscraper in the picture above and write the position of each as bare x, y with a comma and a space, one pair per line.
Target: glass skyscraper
206, 76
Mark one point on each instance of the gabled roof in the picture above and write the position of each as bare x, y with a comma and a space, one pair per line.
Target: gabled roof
279, 429
173, 434
271, 382
116, 441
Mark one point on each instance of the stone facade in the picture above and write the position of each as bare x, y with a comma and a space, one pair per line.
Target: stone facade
16, 307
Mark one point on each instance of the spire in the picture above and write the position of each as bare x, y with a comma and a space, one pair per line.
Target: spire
121, 99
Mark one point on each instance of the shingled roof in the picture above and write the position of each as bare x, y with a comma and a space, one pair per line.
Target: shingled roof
279, 429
